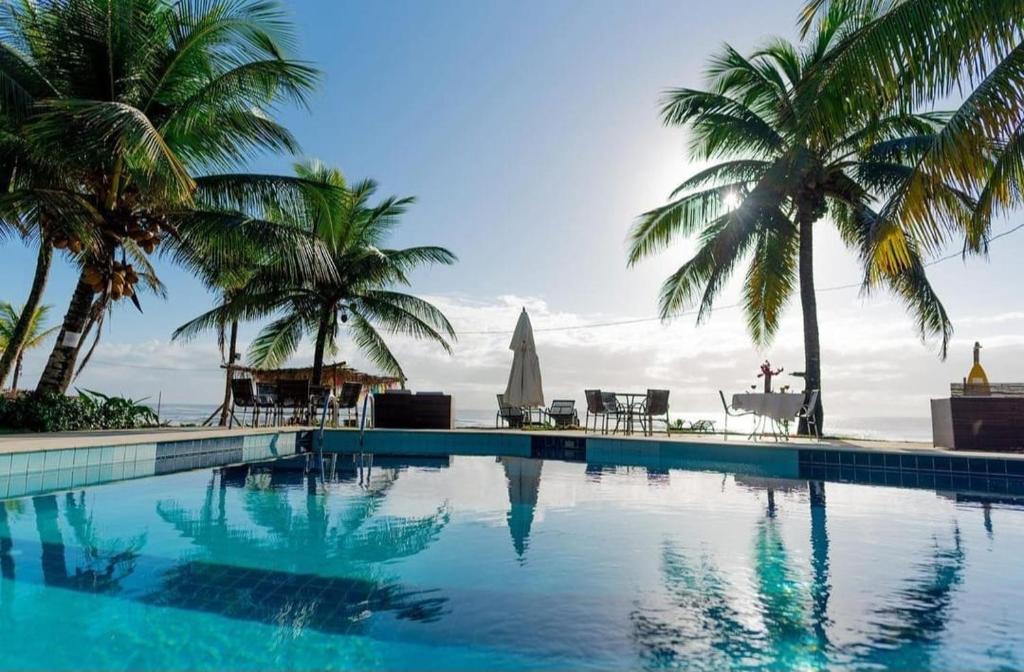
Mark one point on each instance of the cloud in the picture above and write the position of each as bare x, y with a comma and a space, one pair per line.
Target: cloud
873, 362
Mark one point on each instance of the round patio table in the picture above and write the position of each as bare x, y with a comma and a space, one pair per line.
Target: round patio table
634, 402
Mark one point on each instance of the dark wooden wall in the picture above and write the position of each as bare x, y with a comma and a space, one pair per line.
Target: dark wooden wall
412, 411
988, 423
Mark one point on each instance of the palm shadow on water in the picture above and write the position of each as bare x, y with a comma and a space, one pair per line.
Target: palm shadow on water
700, 620
309, 568
99, 565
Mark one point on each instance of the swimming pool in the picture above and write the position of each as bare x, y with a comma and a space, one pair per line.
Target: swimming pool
448, 561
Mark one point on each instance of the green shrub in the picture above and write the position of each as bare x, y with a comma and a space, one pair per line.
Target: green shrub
60, 413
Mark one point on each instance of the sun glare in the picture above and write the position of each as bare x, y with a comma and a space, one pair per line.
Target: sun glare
731, 200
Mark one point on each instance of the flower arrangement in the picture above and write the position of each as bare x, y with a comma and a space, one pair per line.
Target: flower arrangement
767, 373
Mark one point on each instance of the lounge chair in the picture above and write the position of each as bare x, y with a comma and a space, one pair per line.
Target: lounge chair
243, 395
293, 395
318, 397
655, 407
562, 413
511, 415
348, 400
703, 426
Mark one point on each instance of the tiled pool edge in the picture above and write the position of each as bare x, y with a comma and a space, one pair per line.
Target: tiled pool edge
1002, 475
32, 472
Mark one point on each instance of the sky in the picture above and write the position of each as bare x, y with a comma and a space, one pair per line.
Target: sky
529, 134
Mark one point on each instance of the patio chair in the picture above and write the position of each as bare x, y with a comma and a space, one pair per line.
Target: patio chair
730, 413
562, 413
655, 407
613, 408
293, 395
806, 412
348, 401
243, 395
318, 396
266, 397
511, 415
595, 408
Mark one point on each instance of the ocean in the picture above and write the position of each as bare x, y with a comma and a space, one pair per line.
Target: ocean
895, 428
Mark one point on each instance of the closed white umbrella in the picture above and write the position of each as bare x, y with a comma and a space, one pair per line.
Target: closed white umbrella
524, 385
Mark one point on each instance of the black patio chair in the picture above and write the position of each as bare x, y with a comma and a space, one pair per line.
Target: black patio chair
293, 395
614, 409
595, 409
562, 413
318, 396
266, 397
512, 415
654, 408
243, 396
348, 400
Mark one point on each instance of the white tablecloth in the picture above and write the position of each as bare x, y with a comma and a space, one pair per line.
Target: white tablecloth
777, 405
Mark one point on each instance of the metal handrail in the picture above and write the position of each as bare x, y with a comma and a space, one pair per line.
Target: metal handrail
362, 420
320, 438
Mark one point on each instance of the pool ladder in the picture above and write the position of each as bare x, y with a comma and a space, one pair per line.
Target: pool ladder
320, 434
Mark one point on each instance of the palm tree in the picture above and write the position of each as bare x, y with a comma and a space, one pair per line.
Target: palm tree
228, 275
774, 181
40, 204
973, 49
10, 317
138, 97
360, 294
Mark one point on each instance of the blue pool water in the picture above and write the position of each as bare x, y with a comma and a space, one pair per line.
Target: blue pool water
456, 562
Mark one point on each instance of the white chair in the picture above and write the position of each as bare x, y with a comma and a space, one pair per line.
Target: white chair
806, 412
730, 413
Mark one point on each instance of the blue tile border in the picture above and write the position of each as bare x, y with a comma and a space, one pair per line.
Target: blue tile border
990, 475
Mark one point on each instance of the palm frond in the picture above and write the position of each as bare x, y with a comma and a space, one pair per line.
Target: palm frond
771, 278
276, 342
656, 229
373, 345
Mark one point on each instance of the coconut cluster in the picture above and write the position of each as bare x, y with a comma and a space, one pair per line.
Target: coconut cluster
73, 243
141, 228
120, 278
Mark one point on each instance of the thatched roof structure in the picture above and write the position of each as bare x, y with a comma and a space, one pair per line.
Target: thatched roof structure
334, 375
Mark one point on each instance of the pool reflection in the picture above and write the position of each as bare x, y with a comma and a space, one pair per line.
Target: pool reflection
725, 572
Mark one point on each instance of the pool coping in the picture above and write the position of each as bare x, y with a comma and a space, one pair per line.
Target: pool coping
852, 445
17, 443
30, 443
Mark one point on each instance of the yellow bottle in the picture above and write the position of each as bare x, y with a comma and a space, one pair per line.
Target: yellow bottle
977, 381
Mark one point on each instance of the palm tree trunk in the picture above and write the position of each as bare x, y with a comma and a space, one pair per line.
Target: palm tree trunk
17, 371
55, 568
225, 409
821, 588
60, 367
809, 304
321, 345
35, 296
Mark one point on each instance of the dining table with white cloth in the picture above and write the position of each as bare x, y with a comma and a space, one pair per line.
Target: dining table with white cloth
778, 407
